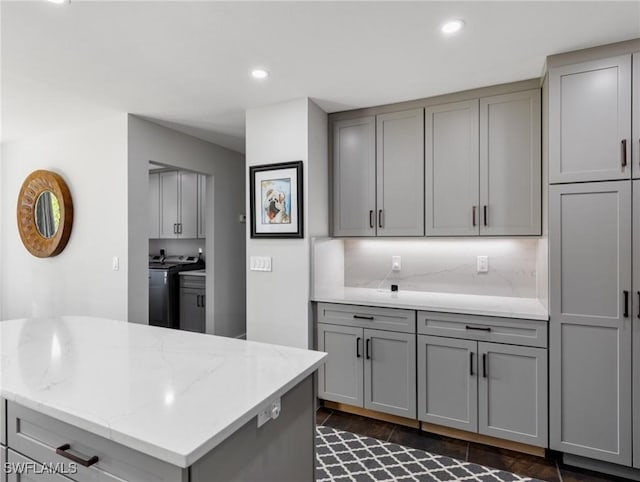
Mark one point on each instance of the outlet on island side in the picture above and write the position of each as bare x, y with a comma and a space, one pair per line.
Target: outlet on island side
483, 264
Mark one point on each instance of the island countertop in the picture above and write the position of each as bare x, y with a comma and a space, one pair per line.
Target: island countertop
170, 394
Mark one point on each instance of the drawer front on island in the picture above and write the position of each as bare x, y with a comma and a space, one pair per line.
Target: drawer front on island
3, 459
24, 469
484, 328
38, 436
389, 319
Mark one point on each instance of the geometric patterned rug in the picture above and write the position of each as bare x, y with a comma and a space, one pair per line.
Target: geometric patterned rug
345, 456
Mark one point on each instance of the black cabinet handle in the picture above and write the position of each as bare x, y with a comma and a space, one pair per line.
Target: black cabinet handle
198, 301
202, 301
371, 224
638, 304
626, 304
62, 452
473, 216
358, 355
380, 218
477, 328
484, 210
362, 317
471, 363
484, 365
368, 355
624, 152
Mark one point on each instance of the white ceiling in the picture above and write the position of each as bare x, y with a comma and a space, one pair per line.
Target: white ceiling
186, 64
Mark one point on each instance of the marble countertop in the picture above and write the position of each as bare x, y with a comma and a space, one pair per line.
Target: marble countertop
170, 394
509, 307
195, 272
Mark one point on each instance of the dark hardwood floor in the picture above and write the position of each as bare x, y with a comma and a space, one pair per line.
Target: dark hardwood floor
518, 463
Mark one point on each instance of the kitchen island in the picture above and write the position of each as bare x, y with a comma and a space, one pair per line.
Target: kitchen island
111, 400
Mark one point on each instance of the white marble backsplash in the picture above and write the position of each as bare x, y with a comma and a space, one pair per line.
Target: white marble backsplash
445, 265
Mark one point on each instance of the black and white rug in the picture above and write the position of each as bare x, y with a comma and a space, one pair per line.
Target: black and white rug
347, 457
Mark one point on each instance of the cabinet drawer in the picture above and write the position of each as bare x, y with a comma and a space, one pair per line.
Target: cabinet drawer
23, 469
484, 328
389, 319
197, 282
37, 436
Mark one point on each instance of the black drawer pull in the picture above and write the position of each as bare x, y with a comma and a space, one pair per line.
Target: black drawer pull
486, 219
471, 363
62, 452
362, 317
358, 355
477, 328
626, 304
484, 365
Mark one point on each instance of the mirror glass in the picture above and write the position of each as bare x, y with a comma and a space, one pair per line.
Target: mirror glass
47, 213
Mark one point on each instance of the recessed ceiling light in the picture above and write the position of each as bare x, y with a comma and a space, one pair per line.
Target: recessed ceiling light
59, 1
452, 26
259, 74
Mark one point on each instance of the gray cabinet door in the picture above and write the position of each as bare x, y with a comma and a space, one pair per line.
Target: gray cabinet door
452, 174
32, 471
192, 310
512, 393
590, 337
154, 206
202, 206
511, 164
390, 372
400, 173
635, 137
589, 118
354, 177
169, 204
341, 378
635, 314
447, 382
188, 227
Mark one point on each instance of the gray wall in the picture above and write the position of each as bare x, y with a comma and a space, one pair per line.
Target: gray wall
278, 307
92, 158
225, 240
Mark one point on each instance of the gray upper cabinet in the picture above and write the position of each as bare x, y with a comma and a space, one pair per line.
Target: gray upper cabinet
354, 177
178, 201
452, 169
512, 393
202, 206
390, 372
636, 325
590, 328
400, 173
635, 141
154, 205
510, 164
169, 195
341, 377
590, 121
188, 205
447, 382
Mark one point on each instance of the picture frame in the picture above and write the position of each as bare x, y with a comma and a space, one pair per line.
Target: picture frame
276, 200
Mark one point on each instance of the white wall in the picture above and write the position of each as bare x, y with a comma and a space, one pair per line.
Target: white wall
225, 239
92, 159
278, 308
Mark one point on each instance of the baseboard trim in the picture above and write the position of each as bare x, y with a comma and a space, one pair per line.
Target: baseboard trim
483, 439
241, 337
603, 467
385, 417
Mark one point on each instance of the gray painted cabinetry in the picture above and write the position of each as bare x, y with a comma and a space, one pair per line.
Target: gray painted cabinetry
368, 367
154, 205
635, 121
473, 383
590, 121
378, 175
192, 303
483, 166
176, 203
590, 286
635, 316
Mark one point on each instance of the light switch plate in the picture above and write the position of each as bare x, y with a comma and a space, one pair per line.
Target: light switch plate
260, 263
483, 264
396, 263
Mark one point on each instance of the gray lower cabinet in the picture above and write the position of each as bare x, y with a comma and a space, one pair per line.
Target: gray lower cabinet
400, 173
448, 382
590, 121
635, 314
590, 320
511, 164
374, 369
192, 303
24, 469
354, 177
452, 166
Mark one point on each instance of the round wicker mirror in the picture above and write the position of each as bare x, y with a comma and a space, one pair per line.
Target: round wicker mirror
45, 214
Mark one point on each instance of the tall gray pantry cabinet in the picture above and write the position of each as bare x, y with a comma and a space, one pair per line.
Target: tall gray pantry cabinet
594, 256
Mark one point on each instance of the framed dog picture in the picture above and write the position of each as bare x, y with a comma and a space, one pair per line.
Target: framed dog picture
276, 200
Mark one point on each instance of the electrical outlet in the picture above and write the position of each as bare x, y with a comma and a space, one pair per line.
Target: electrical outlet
270, 412
396, 263
483, 264
115, 263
